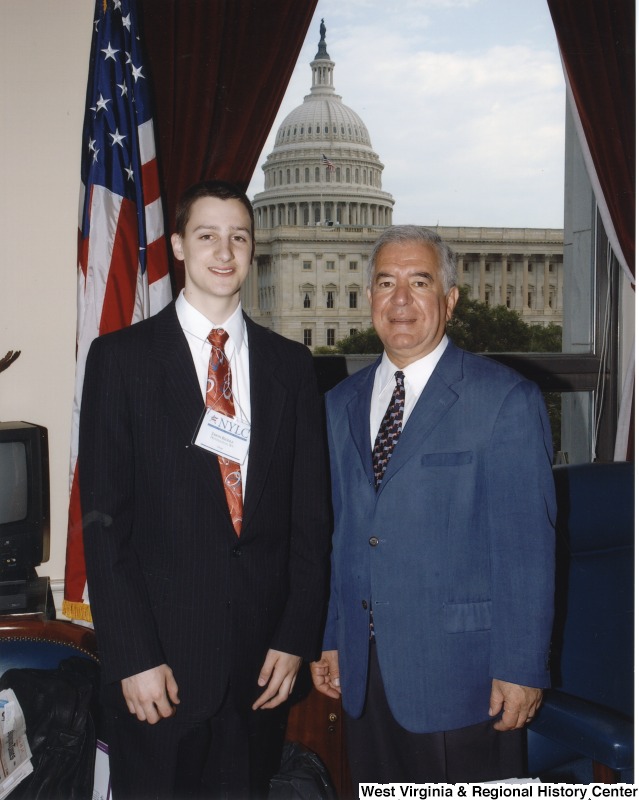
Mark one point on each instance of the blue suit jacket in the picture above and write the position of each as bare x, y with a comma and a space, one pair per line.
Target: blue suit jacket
456, 549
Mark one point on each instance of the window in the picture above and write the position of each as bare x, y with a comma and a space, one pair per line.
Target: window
587, 367
306, 264
307, 301
352, 331
330, 265
308, 337
330, 337
352, 265
352, 299
307, 174
330, 299
317, 174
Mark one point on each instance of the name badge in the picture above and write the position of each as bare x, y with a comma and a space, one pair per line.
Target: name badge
225, 436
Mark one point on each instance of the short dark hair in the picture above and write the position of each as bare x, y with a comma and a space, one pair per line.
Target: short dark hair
221, 189
402, 234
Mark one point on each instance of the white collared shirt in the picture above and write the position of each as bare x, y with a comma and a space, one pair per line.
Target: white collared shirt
416, 377
196, 328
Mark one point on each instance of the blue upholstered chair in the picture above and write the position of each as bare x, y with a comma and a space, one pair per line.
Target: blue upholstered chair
589, 711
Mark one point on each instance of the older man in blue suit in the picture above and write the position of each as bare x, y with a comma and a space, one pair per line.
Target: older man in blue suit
441, 604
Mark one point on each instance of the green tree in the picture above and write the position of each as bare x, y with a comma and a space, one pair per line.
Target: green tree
545, 338
482, 329
367, 342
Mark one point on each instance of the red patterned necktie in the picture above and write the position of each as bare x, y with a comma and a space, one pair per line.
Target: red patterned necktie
219, 397
389, 430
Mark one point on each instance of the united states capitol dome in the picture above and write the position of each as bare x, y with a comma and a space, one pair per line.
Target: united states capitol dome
322, 168
322, 115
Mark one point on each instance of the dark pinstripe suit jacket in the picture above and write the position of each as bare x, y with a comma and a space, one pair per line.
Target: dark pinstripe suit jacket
169, 581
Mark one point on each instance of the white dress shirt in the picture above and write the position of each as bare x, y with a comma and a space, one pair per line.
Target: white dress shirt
196, 328
416, 377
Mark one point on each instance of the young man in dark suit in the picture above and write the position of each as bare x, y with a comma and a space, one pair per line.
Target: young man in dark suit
443, 549
206, 535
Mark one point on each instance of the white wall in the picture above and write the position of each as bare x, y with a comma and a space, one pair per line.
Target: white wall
44, 52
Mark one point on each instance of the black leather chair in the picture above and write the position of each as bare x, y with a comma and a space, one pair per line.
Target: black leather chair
589, 711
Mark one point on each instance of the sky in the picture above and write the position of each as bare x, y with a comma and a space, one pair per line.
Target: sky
464, 101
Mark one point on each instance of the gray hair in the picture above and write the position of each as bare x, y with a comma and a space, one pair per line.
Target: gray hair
404, 234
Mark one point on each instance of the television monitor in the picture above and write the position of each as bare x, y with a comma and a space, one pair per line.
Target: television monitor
24, 499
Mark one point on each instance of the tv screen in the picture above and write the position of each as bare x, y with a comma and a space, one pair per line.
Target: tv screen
14, 485
24, 499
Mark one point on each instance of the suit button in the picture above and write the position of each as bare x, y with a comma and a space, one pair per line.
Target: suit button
373, 541
364, 605
236, 552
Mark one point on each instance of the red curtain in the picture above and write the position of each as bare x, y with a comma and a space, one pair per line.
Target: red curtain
219, 70
597, 43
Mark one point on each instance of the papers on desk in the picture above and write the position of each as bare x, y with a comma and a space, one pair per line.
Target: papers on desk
15, 753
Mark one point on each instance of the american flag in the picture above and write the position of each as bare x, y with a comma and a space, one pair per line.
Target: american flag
123, 272
328, 163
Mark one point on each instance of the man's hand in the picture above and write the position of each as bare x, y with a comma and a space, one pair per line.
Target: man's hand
278, 674
518, 703
325, 674
151, 695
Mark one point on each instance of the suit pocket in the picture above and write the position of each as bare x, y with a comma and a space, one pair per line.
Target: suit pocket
447, 459
461, 617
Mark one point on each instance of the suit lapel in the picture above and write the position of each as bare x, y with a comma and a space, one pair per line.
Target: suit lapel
434, 403
359, 410
267, 405
182, 397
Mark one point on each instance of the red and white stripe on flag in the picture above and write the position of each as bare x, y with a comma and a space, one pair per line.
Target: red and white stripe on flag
123, 274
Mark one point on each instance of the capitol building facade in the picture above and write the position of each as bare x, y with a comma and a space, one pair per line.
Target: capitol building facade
322, 208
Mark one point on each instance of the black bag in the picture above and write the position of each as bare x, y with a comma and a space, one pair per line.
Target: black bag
58, 707
302, 776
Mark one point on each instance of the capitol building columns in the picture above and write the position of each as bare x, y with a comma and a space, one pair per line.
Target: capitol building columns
504, 280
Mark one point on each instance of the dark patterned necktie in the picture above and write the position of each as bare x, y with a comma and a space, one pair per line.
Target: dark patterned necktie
219, 397
389, 430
